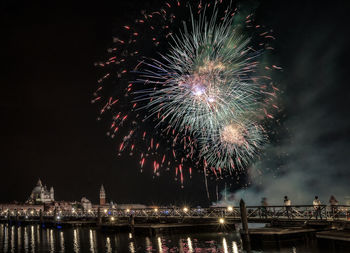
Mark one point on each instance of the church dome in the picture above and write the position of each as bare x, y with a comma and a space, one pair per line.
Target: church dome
37, 190
40, 194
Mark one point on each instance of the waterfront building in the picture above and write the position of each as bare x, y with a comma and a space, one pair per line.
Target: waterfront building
86, 204
40, 194
21, 208
63, 206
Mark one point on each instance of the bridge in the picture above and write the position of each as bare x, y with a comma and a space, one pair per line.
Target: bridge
296, 222
261, 214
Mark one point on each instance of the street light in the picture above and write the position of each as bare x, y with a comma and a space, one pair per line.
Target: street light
156, 209
185, 209
221, 220
230, 208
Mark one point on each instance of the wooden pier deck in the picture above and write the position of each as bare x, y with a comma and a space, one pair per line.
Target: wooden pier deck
339, 235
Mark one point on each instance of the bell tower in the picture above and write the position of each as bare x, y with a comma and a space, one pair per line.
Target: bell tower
52, 194
102, 196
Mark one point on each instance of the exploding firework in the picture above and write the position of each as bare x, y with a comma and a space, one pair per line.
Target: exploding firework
199, 85
234, 145
206, 77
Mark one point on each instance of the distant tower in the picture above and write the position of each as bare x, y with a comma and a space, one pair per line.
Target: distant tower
52, 194
102, 196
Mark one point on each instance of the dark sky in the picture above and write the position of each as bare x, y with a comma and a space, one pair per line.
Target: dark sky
49, 128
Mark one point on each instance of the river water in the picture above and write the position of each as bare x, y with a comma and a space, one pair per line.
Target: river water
33, 238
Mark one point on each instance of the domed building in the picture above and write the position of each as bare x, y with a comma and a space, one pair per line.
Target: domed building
41, 195
86, 204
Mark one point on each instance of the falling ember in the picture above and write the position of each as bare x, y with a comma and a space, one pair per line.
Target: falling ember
121, 146
155, 166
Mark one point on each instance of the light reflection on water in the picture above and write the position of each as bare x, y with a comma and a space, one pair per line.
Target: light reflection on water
61, 239
33, 238
92, 240
76, 241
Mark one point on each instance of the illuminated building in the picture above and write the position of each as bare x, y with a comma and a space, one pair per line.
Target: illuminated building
40, 194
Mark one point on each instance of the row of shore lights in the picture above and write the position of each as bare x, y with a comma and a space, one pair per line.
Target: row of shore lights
185, 209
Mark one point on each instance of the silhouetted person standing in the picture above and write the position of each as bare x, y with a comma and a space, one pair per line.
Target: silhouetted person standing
264, 207
287, 204
334, 203
317, 207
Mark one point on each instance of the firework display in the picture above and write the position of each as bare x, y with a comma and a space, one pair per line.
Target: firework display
198, 81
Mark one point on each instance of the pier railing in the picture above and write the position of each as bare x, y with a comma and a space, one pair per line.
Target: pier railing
297, 212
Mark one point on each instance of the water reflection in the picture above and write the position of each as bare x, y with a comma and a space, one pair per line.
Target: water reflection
12, 238
108, 245
76, 241
52, 241
38, 234
189, 243
92, 241
61, 241
26, 239
234, 247
19, 239
224, 243
132, 247
148, 245
33, 238
6, 239
160, 249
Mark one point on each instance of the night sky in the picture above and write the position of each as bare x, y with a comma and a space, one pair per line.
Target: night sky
49, 128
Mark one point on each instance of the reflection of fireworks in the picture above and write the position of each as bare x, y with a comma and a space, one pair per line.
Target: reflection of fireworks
205, 93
